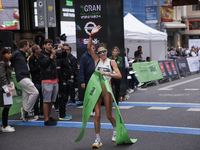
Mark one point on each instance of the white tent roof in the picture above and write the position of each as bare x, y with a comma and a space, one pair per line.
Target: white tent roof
136, 30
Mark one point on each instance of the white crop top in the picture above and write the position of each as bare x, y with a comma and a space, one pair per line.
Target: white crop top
106, 67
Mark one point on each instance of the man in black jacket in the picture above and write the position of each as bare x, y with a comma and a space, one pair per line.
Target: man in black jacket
65, 76
36, 78
30, 93
47, 61
73, 61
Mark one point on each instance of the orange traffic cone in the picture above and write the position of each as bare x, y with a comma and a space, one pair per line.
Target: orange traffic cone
1, 8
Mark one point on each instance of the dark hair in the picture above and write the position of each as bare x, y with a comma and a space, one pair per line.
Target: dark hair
57, 39
48, 41
3, 51
22, 43
139, 47
68, 46
34, 47
65, 45
101, 45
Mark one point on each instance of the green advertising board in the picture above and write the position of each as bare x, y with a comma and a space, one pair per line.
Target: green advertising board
147, 71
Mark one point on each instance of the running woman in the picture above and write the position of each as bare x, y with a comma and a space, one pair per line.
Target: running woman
105, 66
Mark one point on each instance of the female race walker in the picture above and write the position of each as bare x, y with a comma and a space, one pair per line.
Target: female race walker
105, 66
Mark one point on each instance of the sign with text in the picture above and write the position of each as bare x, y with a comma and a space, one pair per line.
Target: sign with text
148, 71
88, 15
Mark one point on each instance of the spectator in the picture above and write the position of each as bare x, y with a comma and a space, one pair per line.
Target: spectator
57, 41
148, 59
30, 53
173, 52
36, 78
116, 82
5, 76
193, 52
47, 61
30, 93
58, 68
74, 72
138, 53
64, 84
187, 51
87, 68
40, 42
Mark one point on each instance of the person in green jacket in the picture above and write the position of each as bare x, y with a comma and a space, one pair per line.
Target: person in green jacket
116, 82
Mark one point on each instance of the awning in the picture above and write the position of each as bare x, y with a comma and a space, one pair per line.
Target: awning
172, 25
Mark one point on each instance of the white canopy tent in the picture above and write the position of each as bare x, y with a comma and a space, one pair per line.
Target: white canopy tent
153, 42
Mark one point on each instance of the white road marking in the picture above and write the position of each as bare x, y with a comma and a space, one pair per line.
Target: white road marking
193, 109
174, 94
124, 107
191, 89
177, 84
159, 108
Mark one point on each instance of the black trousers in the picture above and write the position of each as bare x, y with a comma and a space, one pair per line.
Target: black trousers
116, 83
40, 98
5, 116
64, 93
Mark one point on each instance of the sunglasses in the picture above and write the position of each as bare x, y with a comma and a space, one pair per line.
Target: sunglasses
102, 51
7, 47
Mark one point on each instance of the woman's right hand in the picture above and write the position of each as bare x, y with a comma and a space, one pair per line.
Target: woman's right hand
8, 94
96, 29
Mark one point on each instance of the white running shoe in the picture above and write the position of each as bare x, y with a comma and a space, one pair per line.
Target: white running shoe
96, 144
7, 129
92, 114
114, 136
140, 84
131, 91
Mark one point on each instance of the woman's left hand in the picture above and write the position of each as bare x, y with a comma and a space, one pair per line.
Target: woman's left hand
8, 94
102, 72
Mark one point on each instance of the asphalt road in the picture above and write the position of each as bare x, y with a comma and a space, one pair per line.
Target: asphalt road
161, 117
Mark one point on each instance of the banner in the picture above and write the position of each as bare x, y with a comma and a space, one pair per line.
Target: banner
171, 68
163, 69
92, 94
193, 63
166, 13
147, 71
182, 65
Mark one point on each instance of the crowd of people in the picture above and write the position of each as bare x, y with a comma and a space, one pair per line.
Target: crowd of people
47, 75
183, 51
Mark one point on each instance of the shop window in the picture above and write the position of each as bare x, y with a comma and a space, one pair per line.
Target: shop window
196, 7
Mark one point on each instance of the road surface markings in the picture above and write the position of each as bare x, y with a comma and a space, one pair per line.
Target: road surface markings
174, 94
160, 104
158, 108
191, 89
132, 127
177, 84
124, 107
120, 107
193, 109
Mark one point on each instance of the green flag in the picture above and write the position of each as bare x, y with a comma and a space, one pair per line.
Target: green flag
92, 94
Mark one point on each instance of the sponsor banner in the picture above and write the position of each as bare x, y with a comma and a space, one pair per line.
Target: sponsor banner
166, 13
17, 101
151, 14
163, 69
171, 68
193, 63
182, 65
147, 71
89, 14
